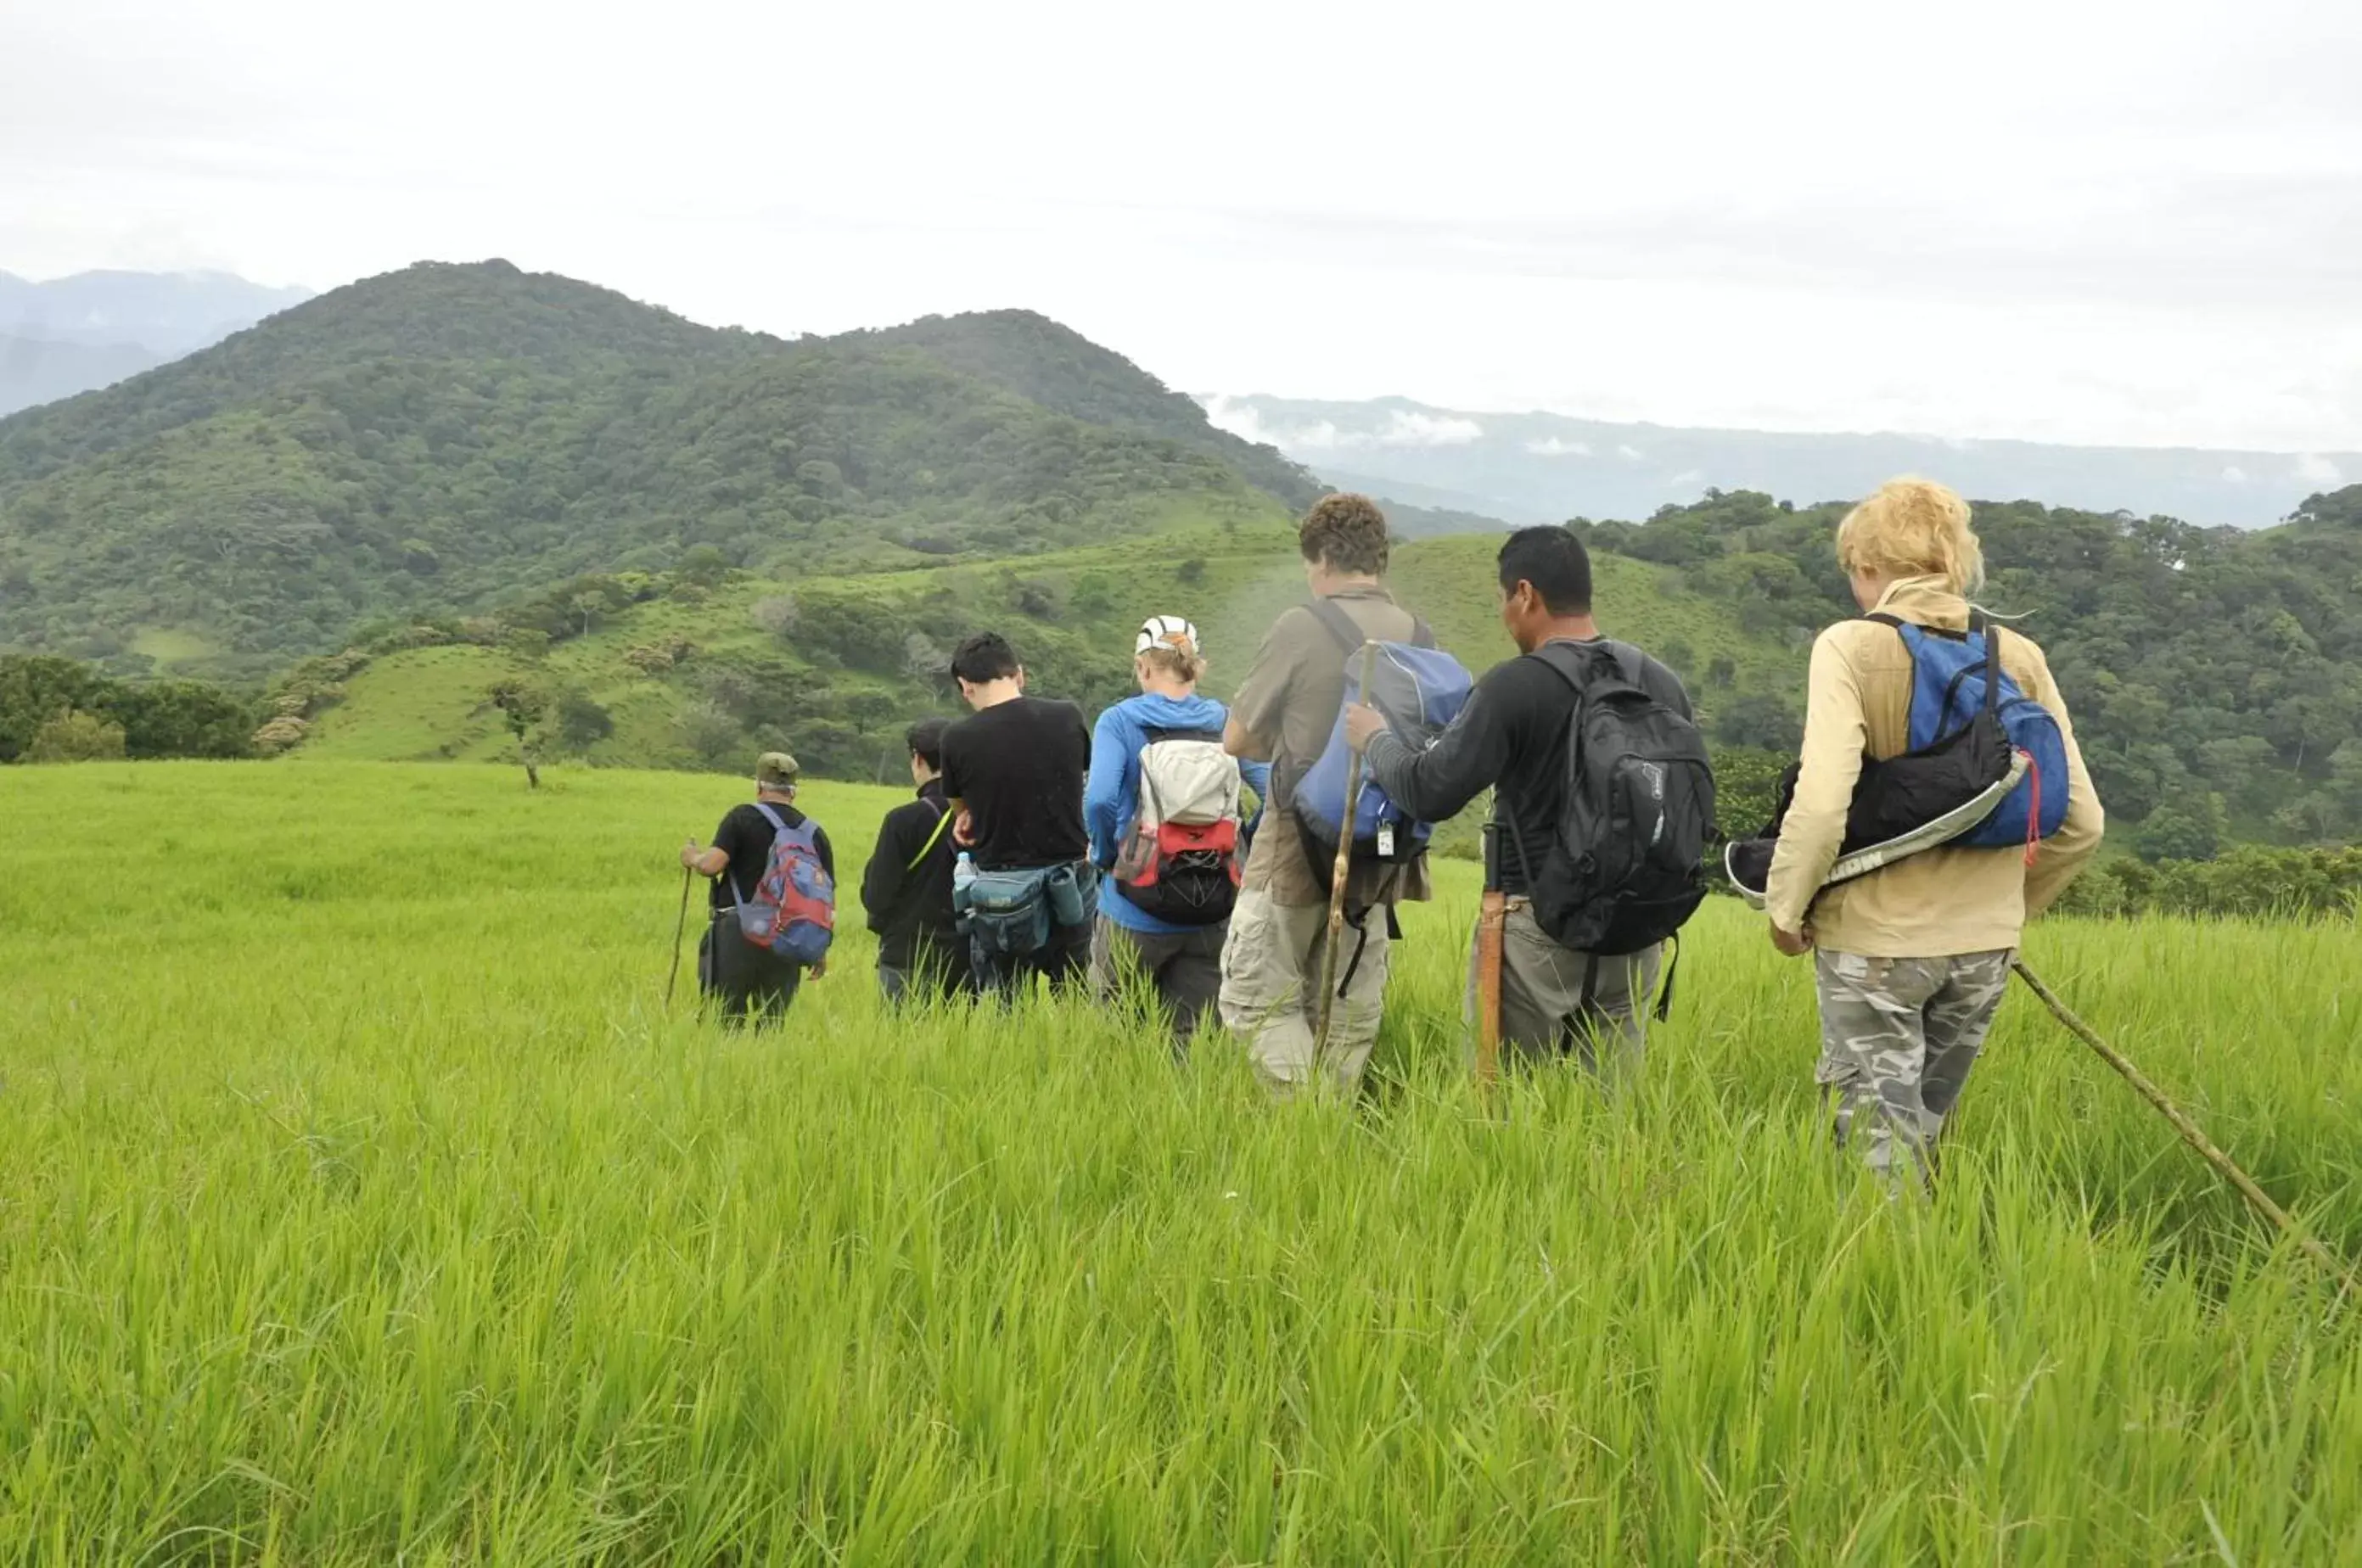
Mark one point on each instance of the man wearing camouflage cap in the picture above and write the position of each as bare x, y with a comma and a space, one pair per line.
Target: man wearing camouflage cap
742, 981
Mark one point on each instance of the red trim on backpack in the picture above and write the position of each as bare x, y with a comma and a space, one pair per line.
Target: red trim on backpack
1174, 838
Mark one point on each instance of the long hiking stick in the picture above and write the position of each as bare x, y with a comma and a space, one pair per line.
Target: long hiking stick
2190, 1131
1338, 874
1492, 919
679, 927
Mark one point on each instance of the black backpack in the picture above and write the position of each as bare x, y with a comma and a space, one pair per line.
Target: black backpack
1626, 866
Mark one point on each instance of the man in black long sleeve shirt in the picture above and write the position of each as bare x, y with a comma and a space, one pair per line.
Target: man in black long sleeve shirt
907, 889
1512, 737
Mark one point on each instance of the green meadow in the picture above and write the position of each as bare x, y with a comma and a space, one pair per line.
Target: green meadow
362, 1202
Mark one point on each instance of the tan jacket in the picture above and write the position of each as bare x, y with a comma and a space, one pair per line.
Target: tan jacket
1287, 705
1942, 903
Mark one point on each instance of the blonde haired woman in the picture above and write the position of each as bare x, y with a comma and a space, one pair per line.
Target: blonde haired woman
1178, 960
1912, 960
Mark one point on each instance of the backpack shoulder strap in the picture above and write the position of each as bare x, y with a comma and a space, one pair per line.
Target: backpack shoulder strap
1978, 624
1342, 627
1558, 667
778, 828
942, 820
1575, 667
1631, 663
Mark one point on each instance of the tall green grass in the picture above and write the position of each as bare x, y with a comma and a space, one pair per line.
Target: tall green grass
359, 1205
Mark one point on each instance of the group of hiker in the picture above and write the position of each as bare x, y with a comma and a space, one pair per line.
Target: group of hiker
1938, 802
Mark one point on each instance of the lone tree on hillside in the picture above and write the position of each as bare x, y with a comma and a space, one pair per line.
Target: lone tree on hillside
523, 709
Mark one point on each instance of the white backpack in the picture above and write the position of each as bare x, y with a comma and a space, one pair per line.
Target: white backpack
1181, 862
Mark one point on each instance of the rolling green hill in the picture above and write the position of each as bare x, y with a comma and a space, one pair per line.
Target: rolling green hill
834, 668
442, 439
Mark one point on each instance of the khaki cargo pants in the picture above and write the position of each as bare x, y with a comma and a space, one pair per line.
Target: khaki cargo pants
1560, 1005
1898, 1037
1271, 980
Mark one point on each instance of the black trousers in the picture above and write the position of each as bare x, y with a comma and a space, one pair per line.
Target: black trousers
931, 969
742, 982
1064, 960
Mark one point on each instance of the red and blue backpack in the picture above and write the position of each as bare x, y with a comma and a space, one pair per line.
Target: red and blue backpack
793, 914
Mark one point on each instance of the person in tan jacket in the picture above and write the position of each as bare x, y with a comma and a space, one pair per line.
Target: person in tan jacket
1912, 960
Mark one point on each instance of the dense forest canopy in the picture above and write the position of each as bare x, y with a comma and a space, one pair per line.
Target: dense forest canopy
446, 438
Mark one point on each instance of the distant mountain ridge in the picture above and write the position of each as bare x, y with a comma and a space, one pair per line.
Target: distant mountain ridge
78, 333
446, 438
169, 313
1546, 467
35, 370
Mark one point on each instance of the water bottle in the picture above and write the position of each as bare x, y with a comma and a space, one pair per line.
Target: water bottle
963, 877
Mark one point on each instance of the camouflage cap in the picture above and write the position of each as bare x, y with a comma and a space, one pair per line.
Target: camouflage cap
775, 769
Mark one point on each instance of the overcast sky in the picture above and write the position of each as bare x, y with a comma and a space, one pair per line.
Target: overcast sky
2061, 219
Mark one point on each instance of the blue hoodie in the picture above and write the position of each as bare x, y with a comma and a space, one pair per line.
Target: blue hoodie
1112, 800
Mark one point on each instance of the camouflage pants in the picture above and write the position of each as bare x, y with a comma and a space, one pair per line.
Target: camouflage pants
1898, 1037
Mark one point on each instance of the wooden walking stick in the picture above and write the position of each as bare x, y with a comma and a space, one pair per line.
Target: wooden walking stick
679, 927
1492, 919
2190, 1132
1338, 874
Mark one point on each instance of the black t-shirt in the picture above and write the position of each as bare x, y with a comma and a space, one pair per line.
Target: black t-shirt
1018, 766
746, 836
1511, 734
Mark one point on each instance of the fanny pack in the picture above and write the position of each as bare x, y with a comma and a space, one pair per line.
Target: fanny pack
1008, 914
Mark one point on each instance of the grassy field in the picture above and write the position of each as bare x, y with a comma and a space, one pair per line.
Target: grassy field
360, 1203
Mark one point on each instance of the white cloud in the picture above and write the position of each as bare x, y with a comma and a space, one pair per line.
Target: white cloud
2235, 475
1685, 479
1225, 412
1403, 428
1555, 446
1322, 435
2315, 470
1420, 429
1629, 453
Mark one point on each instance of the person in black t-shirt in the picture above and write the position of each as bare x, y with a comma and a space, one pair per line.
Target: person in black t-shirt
1512, 737
907, 890
742, 979
1014, 774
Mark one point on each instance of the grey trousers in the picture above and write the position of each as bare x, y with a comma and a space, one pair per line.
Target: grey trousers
1898, 1037
1182, 969
1559, 1004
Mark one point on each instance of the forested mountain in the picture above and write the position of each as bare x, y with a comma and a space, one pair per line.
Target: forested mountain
1066, 373
447, 437
1540, 468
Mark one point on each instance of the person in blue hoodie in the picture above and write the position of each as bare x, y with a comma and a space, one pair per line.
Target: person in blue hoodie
1165, 897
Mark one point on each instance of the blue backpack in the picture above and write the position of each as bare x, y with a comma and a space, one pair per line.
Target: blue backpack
1420, 689
793, 912
1959, 685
